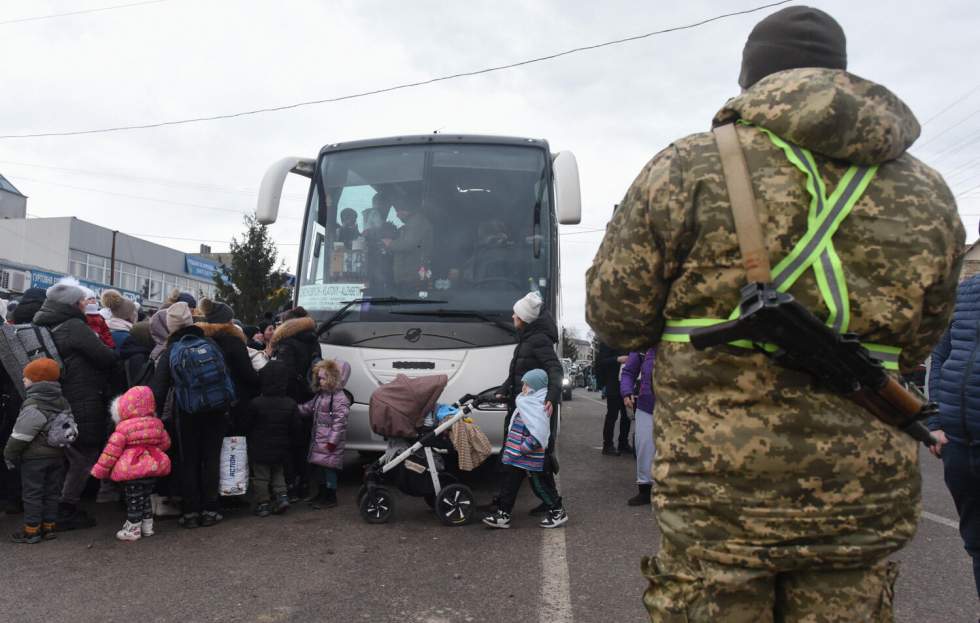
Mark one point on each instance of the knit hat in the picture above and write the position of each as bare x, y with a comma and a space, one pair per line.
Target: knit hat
137, 402
120, 306
140, 334
215, 312
250, 330
66, 291
797, 36
187, 297
535, 379
528, 308
43, 369
178, 317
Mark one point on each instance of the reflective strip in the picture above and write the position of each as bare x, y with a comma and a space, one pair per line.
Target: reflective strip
815, 249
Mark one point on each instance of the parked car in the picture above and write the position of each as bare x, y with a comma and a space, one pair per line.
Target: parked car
567, 381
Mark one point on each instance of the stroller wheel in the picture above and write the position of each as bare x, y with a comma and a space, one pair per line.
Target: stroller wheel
377, 506
455, 505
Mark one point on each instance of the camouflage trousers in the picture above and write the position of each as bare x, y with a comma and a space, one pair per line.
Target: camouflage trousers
683, 589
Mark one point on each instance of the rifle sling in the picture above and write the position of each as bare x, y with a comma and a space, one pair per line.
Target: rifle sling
751, 243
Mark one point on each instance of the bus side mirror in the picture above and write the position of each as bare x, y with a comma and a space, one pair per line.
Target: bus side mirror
568, 197
270, 192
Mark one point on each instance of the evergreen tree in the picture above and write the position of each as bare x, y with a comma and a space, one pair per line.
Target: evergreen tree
569, 349
255, 281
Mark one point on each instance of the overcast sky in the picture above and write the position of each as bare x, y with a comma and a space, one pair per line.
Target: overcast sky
614, 107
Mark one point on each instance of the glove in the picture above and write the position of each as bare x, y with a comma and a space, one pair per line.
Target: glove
331, 447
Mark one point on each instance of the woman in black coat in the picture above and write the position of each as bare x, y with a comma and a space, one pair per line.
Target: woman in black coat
88, 364
231, 340
537, 334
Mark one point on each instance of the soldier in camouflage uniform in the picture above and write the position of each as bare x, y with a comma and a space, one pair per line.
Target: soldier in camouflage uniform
776, 500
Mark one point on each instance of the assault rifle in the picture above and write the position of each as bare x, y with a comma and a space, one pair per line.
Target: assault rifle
838, 362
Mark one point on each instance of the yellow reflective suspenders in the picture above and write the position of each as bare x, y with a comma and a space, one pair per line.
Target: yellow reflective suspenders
814, 250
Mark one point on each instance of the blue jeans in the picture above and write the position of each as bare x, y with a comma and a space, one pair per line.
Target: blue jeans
961, 463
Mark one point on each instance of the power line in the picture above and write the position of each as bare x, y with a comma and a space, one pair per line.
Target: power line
141, 198
138, 178
970, 116
81, 12
397, 87
955, 102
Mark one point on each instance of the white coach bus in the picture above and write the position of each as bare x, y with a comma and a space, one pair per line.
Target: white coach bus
413, 251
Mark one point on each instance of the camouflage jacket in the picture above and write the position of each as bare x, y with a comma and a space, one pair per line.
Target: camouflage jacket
754, 466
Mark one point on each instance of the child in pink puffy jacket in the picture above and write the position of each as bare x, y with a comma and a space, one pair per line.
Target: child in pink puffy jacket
135, 456
328, 410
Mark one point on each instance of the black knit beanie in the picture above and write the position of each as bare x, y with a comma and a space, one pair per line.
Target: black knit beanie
798, 36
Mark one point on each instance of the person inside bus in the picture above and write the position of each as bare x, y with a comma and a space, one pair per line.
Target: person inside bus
494, 259
412, 249
348, 232
377, 228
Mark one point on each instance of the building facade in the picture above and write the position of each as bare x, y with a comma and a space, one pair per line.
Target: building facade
37, 252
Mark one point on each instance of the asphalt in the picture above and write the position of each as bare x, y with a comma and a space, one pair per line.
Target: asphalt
329, 565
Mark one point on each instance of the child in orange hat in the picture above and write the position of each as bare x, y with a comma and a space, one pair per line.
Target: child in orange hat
38, 452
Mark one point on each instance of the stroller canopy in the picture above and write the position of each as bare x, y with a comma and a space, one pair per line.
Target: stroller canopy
398, 408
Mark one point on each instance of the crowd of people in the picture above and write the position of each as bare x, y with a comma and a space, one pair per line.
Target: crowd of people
93, 387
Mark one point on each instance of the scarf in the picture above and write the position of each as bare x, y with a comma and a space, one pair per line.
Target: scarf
531, 408
118, 324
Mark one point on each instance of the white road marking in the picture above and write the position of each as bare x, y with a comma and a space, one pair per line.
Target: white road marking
556, 594
940, 519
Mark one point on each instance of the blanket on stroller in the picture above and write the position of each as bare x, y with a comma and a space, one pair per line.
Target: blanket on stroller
398, 408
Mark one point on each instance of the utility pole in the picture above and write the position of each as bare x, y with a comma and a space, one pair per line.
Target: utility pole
112, 261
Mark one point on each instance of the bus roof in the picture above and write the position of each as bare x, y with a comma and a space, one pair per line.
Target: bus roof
425, 139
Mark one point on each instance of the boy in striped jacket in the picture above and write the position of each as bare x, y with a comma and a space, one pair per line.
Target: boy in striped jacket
523, 455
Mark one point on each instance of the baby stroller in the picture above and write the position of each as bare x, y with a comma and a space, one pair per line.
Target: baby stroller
405, 412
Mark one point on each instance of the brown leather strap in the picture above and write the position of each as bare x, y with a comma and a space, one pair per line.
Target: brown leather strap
755, 255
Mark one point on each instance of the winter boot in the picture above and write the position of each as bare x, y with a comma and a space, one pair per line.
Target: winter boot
281, 505
642, 498
329, 498
210, 518
48, 529
131, 531
146, 527
263, 509
28, 534
70, 517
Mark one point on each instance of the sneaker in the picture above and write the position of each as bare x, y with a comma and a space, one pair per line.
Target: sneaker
28, 534
146, 527
610, 451
189, 521
539, 510
263, 509
210, 518
131, 531
499, 519
282, 505
554, 518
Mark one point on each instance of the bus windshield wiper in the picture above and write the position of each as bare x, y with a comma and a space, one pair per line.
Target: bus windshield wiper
462, 313
383, 300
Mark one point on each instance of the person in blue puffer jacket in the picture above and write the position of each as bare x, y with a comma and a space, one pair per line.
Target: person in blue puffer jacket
954, 383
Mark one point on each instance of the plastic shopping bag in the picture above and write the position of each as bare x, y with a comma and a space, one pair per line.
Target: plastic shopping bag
234, 467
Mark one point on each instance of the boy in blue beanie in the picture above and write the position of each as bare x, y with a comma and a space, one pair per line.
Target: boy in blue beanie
523, 455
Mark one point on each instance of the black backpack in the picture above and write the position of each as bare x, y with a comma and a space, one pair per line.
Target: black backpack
21, 344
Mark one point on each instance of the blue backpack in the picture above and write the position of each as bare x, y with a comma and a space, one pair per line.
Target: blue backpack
201, 380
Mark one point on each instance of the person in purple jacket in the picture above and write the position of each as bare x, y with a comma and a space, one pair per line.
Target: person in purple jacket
636, 385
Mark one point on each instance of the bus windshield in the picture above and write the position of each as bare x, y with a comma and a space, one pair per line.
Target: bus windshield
466, 225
